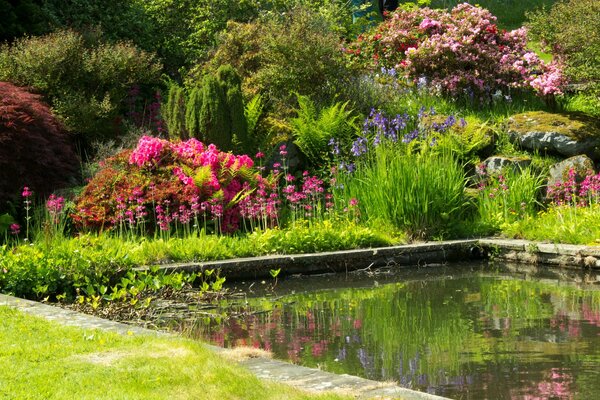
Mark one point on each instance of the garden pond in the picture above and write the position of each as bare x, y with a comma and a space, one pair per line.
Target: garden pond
468, 331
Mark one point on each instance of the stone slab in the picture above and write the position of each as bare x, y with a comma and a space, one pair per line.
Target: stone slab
335, 261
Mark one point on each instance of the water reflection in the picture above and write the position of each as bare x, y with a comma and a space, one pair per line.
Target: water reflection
464, 335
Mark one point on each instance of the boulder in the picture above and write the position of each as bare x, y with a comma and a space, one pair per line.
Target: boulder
559, 172
496, 164
565, 134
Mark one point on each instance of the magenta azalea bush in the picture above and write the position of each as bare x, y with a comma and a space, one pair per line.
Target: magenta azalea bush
458, 52
163, 185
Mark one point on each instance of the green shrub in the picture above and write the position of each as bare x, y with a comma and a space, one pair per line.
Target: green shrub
192, 111
231, 84
214, 121
298, 52
174, 112
571, 30
84, 78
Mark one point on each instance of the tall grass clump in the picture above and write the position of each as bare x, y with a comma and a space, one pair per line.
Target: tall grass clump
505, 198
397, 173
421, 193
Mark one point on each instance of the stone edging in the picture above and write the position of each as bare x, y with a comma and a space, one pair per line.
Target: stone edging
525, 251
421, 254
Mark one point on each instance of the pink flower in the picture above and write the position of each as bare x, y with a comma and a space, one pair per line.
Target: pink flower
15, 229
260, 154
55, 204
26, 192
148, 151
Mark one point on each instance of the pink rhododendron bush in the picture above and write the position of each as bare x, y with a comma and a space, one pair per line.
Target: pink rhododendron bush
457, 52
165, 185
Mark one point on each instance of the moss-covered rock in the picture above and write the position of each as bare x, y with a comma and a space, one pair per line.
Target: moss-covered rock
565, 134
581, 165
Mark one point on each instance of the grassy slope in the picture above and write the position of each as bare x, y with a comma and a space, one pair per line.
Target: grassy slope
43, 360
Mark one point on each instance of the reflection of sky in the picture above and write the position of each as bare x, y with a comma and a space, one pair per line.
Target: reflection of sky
490, 347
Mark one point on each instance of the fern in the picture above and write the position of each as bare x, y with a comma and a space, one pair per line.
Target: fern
253, 112
313, 129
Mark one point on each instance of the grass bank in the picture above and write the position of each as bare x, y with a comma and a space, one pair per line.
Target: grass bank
43, 360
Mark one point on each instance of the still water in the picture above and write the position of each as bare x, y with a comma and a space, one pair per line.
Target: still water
464, 332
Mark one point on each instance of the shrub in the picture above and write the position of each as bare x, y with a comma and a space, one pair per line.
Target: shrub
461, 52
231, 84
84, 78
162, 183
36, 151
295, 53
571, 30
192, 112
173, 112
213, 119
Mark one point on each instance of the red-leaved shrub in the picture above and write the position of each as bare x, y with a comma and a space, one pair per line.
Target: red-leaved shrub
35, 150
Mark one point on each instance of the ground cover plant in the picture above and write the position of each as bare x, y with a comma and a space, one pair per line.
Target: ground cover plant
91, 364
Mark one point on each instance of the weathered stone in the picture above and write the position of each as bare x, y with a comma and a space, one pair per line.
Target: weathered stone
565, 134
496, 164
559, 172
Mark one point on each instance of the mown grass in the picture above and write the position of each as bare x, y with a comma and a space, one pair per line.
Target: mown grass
43, 360
511, 13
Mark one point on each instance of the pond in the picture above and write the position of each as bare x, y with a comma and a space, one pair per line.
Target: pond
461, 331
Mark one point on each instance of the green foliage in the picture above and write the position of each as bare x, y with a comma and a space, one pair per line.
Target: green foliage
84, 78
90, 262
421, 193
563, 224
192, 112
507, 198
24, 17
313, 129
297, 52
231, 84
571, 30
253, 111
174, 112
214, 121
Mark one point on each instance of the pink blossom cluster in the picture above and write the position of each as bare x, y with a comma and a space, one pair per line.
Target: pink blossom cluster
457, 52
55, 204
574, 192
148, 152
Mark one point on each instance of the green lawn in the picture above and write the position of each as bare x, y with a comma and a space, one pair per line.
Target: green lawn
43, 360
